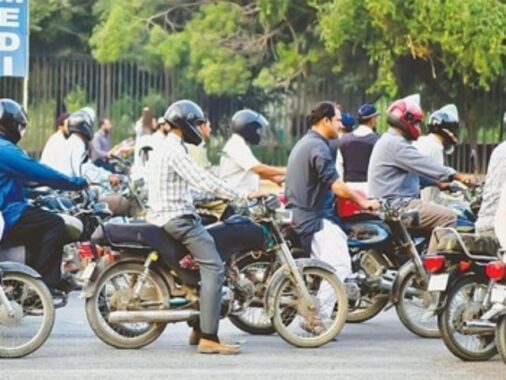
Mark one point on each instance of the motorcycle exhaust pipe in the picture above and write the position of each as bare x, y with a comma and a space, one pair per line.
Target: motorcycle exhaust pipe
479, 327
152, 316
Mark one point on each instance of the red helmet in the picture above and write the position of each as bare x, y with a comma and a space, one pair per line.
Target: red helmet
407, 116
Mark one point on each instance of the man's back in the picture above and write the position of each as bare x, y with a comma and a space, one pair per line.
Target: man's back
356, 151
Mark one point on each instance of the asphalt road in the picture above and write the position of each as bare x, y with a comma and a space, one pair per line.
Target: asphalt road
379, 349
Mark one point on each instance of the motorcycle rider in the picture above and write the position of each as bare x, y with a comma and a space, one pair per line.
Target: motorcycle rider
41, 232
355, 148
51, 152
396, 168
238, 165
172, 173
311, 173
443, 135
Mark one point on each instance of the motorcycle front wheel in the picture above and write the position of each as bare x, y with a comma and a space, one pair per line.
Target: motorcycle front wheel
329, 296
114, 292
413, 307
29, 325
500, 337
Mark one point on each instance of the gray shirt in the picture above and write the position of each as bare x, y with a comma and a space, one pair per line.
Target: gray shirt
396, 166
101, 145
309, 175
496, 178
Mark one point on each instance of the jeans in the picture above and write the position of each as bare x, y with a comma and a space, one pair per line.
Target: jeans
189, 230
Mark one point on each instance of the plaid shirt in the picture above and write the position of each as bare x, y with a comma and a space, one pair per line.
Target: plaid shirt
171, 175
496, 178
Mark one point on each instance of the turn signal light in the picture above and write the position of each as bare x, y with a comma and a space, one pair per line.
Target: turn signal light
496, 270
464, 265
433, 264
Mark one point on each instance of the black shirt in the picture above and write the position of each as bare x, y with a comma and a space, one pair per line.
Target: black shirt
309, 175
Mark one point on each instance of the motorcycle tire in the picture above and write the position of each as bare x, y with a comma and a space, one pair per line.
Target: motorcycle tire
500, 337
405, 317
46, 312
281, 324
447, 321
124, 336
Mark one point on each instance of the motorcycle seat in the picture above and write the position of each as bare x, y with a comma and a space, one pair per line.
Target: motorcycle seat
482, 245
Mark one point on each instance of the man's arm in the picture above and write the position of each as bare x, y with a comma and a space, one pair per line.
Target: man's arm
268, 172
26, 169
343, 190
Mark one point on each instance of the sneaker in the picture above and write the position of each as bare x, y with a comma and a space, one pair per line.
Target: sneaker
313, 325
195, 337
207, 346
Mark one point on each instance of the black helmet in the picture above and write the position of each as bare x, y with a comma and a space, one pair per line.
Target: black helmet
13, 120
185, 115
445, 122
247, 123
82, 122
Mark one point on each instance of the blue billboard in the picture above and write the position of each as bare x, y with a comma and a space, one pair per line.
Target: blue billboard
14, 38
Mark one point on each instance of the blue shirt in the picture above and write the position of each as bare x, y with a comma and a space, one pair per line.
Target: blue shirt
310, 173
16, 170
396, 168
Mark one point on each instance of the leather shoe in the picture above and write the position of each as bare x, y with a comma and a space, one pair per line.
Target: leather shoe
211, 347
195, 337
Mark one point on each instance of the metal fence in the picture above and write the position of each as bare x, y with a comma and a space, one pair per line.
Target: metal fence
120, 90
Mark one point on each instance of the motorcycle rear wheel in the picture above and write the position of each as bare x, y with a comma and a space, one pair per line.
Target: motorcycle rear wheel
454, 315
98, 306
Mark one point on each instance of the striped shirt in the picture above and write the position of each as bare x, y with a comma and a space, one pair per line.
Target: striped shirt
171, 177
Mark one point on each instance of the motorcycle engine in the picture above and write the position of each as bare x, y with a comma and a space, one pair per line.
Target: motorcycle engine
373, 264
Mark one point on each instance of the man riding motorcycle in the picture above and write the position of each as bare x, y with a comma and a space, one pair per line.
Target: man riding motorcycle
41, 232
443, 135
172, 174
396, 168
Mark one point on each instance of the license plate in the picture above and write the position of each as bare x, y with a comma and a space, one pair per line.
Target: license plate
438, 282
498, 294
88, 271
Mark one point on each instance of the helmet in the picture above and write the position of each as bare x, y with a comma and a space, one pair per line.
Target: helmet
406, 115
82, 122
247, 123
445, 122
13, 120
185, 115
348, 121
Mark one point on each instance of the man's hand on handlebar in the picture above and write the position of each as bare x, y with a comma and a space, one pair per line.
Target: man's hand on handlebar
466, 179
256, 194
370, 204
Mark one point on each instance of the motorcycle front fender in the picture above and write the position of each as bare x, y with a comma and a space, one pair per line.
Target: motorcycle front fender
282, 273
11, 266
403, 272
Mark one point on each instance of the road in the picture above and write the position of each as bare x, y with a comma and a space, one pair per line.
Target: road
379, 349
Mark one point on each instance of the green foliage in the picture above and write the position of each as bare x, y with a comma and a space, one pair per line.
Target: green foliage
76, 99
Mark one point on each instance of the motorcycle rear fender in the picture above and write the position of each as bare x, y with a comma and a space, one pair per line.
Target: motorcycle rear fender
126, 257
11, 267
283, 272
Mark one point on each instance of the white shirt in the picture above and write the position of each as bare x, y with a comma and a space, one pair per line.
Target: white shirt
235, 165
51, 155
430, 145
360, 131
70, 158
171, 176
500, 219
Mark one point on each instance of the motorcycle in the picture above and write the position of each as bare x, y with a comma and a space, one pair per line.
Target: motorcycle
26, 310
142, 283
459, 288
496, 272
